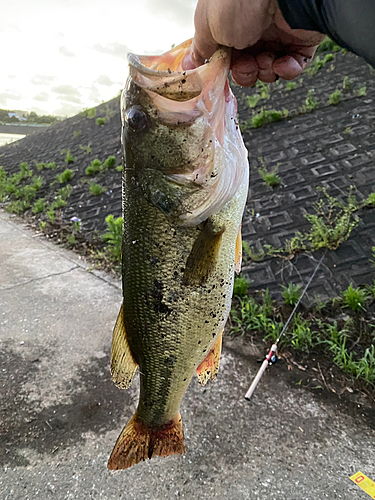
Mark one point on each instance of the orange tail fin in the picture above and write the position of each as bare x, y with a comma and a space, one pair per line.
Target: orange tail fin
137, 442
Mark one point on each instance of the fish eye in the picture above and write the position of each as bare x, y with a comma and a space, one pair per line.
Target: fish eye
137, 119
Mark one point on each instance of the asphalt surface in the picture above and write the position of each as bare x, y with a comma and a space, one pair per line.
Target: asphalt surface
60, 413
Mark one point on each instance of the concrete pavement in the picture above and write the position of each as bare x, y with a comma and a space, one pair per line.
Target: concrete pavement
60, 414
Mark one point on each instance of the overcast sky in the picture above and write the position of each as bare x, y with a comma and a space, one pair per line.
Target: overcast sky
61, 56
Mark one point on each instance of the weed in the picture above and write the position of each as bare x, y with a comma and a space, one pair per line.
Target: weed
240, 286
110, 162
252, 100
348, 130
42, 225
354, 298
310, 102
267, 116
328, 44
69, 158
315, 66
362, 91
65, 176
335, 97
89, 113
119, 168
301, 336
94, 167
347, 83
270, 177
77, 133
328, 58
38, 206
114, 236
64, 192
291, 294
52, 166
371, 289
255, 257
96, 189
100, 121
40, 166
86, 149
370, 201
291, 86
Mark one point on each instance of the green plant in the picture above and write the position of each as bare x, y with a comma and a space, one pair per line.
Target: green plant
40, 166
264, 89
119, 168
69, 158
38, 206
291, 86
89, 113
370, 201
100, 121
291, 294
114, 236
52, 166
267, 116
77, 133
354, 298
252, 100
335, 97
65, 176
96, 189
110, 162
270, 177
371, 289
42, 225
240, 286
328, 58
86, 149
301, 336
94, 167
328, 44
348, 130
362, 91
347, 83
64, 192
310, 102
255, 257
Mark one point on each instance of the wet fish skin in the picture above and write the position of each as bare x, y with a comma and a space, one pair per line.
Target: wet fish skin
178, 264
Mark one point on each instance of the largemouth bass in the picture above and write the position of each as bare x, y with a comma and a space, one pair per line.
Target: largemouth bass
185, 182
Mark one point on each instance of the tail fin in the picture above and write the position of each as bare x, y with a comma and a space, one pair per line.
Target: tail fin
137, 442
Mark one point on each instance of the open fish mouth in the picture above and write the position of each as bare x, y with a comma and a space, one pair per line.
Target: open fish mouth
201, 99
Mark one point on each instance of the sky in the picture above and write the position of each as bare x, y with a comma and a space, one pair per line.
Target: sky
61, 56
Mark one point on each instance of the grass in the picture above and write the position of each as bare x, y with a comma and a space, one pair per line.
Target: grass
311, 333
86, 149
347, 83
264, 117
100, 121
291, 294
252, 100
335, 97
93, 168
328, 45
113, 236
362, 91
270, 177
240, 286
89, 113
96, 189
354, 298
310, 102
291, 86
68, 156
39, 206
65, 176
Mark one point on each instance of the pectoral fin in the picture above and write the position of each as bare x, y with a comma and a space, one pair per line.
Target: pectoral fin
238, 258
208, 369
204, 254
123, 365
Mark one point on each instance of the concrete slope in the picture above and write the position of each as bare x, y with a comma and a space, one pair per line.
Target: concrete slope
60, 413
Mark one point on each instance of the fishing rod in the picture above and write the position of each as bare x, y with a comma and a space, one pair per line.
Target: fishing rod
271, 356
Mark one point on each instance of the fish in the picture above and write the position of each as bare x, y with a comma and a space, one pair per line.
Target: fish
185, 183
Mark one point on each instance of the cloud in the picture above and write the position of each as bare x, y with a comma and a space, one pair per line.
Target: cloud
65, 52
180, 11
67, 110
9, 95
104, 80
66, 90
67, 93
42, 79
115, 49
42, 96
94, 94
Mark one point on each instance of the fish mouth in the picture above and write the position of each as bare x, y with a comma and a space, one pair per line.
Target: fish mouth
165, 76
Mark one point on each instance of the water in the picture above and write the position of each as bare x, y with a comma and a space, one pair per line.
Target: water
8, 138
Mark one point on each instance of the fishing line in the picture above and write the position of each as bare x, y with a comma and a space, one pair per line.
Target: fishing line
271, 356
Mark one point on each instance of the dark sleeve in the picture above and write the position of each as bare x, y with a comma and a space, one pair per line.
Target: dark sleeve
350, 23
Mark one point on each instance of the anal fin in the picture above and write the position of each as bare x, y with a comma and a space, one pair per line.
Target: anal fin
208, 369
238, 257
123, 365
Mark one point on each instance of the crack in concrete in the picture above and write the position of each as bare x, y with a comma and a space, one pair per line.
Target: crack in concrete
39, 279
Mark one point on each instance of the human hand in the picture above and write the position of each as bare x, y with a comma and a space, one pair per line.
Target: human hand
264, 45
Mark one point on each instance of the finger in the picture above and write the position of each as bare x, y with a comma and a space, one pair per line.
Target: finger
291, 66
244, 70
265, 64
204, 44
